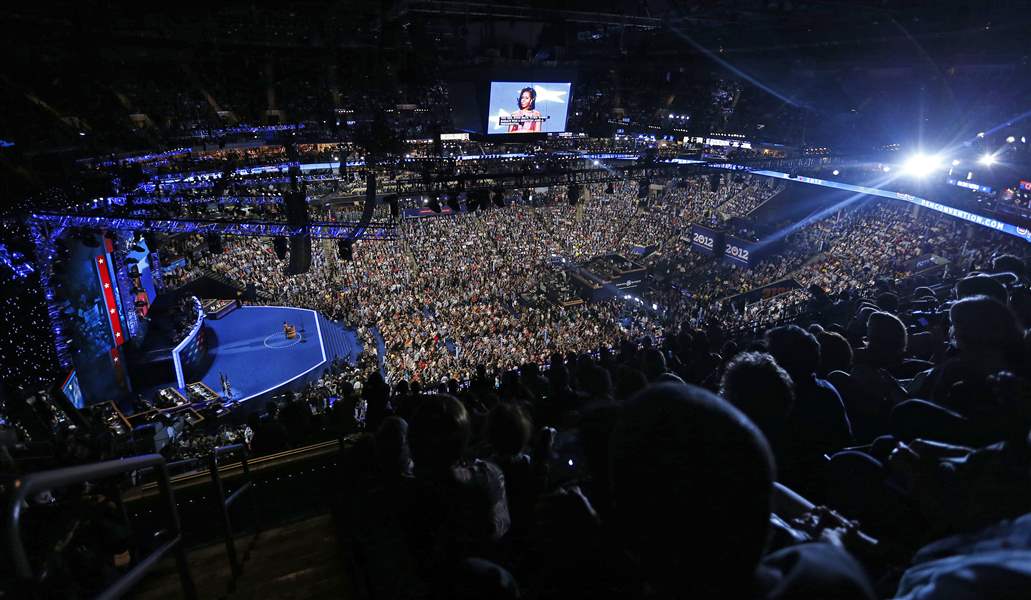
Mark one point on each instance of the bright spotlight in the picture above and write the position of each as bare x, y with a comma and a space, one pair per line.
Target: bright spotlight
1010, 139
886, 168
921, 165
595, 162
955, 162
835, 172
987, 160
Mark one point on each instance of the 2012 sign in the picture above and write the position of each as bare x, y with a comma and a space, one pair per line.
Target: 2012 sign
703, 240
737, 253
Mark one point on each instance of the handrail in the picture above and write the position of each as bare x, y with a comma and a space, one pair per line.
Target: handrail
47, 480
257, 463
223, 503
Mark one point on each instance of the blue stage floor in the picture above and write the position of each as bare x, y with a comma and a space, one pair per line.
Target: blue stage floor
248, 345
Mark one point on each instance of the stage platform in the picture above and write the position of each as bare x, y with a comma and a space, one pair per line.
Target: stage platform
249, 346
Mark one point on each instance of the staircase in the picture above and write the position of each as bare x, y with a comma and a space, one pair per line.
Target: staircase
339, 341
381, 348
297, 560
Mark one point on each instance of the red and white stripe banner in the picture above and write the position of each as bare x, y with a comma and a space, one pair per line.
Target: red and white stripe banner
109, 301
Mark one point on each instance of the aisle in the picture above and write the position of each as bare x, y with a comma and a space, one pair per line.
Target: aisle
381, 349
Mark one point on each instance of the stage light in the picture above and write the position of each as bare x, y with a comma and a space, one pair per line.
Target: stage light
595, 161
987, 160
835, 172
1010, 139
955, 162
980, 134
921, 165
886, 168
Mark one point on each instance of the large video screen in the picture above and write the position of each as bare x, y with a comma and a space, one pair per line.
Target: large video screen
89, 290
527, 107
72, 391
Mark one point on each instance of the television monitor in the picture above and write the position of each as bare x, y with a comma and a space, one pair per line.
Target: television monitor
521, 107
71, 390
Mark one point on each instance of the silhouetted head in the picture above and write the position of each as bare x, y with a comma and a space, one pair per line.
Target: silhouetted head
439, 433
692, 479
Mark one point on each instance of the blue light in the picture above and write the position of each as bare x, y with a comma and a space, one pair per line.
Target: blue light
43, 240
129, 160
12, 260
996, 224
324, 230
242, 129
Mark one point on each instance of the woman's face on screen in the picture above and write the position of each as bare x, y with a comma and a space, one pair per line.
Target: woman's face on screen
524, 100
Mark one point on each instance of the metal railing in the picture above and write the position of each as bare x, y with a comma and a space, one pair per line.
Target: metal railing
34, 483
223, 503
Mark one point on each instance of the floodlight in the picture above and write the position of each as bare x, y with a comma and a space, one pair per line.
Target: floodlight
987, 160
921, 165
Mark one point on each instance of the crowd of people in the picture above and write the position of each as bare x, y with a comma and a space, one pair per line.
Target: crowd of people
420, 291
877, 446
183, 318
861, 453
848, 250
445, 297
848, 416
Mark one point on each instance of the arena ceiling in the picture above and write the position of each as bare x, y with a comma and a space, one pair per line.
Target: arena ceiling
862, 67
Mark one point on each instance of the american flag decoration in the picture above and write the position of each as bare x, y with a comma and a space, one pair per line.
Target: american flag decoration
109, 301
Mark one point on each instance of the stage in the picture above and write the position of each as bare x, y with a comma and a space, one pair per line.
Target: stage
249, 346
